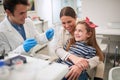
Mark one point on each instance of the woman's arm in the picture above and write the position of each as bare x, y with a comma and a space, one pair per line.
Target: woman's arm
60, 42
93, 62
84, 63
78, 61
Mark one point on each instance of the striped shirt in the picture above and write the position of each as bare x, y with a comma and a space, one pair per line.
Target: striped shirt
81, 49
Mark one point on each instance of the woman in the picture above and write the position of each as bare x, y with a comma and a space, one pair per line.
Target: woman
68, 18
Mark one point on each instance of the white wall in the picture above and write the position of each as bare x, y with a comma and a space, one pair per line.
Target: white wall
49, 9
101, 11
44, 10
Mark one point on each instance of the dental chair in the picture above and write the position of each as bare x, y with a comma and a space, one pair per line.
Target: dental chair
114, 73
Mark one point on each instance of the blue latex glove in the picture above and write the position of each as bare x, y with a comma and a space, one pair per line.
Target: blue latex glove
49, 33
29, 43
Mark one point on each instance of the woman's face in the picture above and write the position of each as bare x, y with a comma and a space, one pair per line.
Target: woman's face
81, 33
68, 23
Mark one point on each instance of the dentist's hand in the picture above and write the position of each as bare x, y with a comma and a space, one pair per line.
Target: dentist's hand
29, 43
49, 33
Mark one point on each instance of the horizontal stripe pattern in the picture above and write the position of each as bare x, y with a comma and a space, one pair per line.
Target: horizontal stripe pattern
82, 50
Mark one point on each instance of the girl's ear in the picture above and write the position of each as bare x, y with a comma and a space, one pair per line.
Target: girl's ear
89, 34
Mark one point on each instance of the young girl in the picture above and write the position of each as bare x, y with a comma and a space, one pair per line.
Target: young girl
83, 44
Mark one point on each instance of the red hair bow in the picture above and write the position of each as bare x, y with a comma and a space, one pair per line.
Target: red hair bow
92, 25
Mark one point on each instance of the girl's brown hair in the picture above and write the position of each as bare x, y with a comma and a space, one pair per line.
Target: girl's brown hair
91, 40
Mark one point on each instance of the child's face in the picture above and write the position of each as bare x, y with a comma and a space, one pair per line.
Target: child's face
81, 33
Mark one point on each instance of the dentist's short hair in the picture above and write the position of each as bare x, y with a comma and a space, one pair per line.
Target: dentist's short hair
11, 4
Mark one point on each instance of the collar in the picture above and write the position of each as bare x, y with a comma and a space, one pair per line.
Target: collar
14, 24
83, 42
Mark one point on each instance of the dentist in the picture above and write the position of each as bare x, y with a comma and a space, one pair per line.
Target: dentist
17, 32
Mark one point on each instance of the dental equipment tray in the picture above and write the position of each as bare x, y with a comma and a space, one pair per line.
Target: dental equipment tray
16, 60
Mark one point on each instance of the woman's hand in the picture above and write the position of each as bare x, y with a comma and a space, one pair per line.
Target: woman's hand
74, 73
80, 62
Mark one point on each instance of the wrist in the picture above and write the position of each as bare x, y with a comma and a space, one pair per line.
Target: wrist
72, 58
83, 63
79, 66
66, 58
